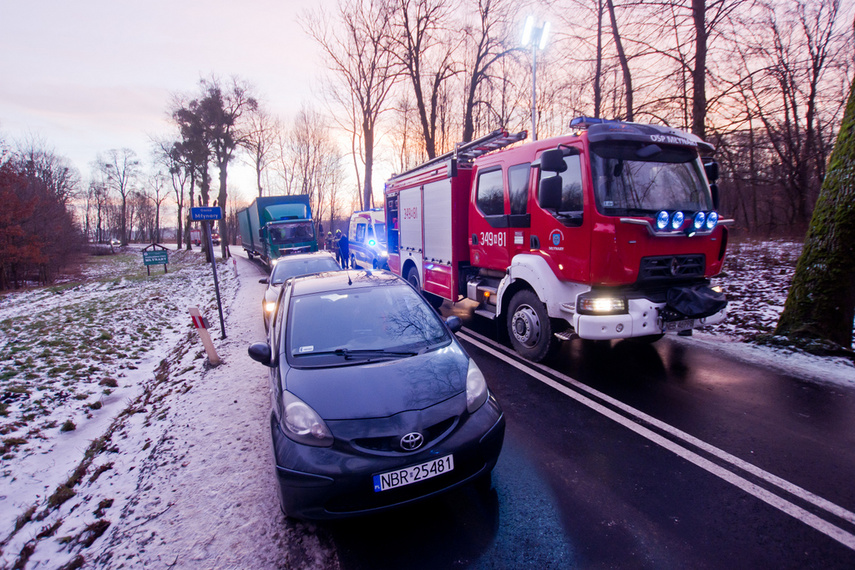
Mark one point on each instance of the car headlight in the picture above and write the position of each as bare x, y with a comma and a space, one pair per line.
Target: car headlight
269, 306
596, 304
303, 424
476, 387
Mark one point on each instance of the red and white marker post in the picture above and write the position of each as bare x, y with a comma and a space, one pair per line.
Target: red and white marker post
201, 324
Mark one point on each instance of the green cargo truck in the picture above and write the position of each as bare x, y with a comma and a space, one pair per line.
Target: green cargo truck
276, 226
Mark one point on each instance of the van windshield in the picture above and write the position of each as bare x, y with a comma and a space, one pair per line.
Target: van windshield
634, 178
380, 232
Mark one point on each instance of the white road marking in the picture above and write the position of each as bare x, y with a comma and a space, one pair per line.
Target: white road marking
797, 512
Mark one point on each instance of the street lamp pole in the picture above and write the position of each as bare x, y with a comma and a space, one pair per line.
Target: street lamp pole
537, 36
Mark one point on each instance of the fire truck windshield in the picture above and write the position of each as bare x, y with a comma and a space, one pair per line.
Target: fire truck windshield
291, 232
633, 178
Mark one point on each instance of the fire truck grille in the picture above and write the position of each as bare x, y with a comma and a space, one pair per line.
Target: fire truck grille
669, 267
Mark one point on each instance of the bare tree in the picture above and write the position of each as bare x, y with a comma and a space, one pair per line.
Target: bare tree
314, 162
170, 155
423, 45
358, 55
260, 142
488, 43
121, 169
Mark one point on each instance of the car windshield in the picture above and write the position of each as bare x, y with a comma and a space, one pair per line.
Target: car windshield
293, 232
338, 327
286, 268
632, 178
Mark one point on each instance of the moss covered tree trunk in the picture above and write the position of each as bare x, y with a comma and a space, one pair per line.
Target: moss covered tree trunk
821, 301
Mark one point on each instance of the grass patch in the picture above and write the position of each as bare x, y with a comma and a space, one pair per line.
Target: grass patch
68, 425
62, 494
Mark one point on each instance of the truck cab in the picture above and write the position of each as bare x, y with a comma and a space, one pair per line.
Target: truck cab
608, 232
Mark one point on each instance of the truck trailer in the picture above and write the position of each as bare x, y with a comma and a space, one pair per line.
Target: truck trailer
609, 232
274, 226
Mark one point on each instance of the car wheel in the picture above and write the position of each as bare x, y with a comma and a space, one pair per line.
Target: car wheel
529, 327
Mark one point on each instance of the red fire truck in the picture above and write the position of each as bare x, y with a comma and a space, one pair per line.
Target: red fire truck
609, 232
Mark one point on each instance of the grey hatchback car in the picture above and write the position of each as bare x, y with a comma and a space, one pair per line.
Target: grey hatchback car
375, 403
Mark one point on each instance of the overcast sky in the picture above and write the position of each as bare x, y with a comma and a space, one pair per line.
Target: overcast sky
90, 75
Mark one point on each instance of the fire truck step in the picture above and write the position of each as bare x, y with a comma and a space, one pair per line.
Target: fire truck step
486, 314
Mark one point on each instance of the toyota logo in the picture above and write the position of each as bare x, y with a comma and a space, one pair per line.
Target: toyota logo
412, 441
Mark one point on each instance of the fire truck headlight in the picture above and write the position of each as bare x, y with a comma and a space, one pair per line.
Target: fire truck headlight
591, 304
699, 220
371, 243
662, 220
712, 220
677, 219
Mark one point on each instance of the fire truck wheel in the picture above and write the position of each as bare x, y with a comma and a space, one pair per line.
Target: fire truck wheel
413, 278
529, 327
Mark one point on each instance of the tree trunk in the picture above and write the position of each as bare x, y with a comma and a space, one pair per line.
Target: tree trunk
624, 62
699, 73
821, 301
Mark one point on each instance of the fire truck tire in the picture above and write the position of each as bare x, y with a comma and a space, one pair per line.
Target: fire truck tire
529, 327
413, 278
435, 301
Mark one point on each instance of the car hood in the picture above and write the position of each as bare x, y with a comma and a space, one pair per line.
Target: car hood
382, 389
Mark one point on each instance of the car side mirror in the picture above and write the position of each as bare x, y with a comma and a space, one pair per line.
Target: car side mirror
266, 281
454, 323
549, 196
260, 352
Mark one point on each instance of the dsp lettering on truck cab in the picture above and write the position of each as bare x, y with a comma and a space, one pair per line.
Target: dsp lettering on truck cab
608, 232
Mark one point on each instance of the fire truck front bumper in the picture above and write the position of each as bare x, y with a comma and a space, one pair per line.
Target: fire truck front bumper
642, 318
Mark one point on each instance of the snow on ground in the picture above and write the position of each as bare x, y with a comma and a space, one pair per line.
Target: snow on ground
121, 448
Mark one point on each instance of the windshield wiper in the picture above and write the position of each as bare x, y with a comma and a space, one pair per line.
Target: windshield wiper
351, 353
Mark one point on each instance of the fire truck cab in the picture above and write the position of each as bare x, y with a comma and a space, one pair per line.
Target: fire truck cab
609, 232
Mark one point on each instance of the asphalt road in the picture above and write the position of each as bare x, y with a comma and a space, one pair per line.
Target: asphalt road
624, 455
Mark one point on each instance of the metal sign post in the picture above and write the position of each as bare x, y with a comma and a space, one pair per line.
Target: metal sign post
206, 215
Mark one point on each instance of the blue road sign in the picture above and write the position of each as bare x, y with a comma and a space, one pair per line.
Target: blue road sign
207, 213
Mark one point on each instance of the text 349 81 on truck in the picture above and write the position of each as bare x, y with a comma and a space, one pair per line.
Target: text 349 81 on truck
608, 232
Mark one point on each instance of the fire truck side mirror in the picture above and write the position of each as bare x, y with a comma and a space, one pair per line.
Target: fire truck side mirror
549, 196
714, 192
711, 168
553, 160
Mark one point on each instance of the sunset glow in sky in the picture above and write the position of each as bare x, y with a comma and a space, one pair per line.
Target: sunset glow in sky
86, 76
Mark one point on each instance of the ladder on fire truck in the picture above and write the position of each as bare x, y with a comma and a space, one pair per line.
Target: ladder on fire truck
465, 153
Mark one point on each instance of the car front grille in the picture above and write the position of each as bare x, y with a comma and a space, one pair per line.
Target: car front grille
392, 444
